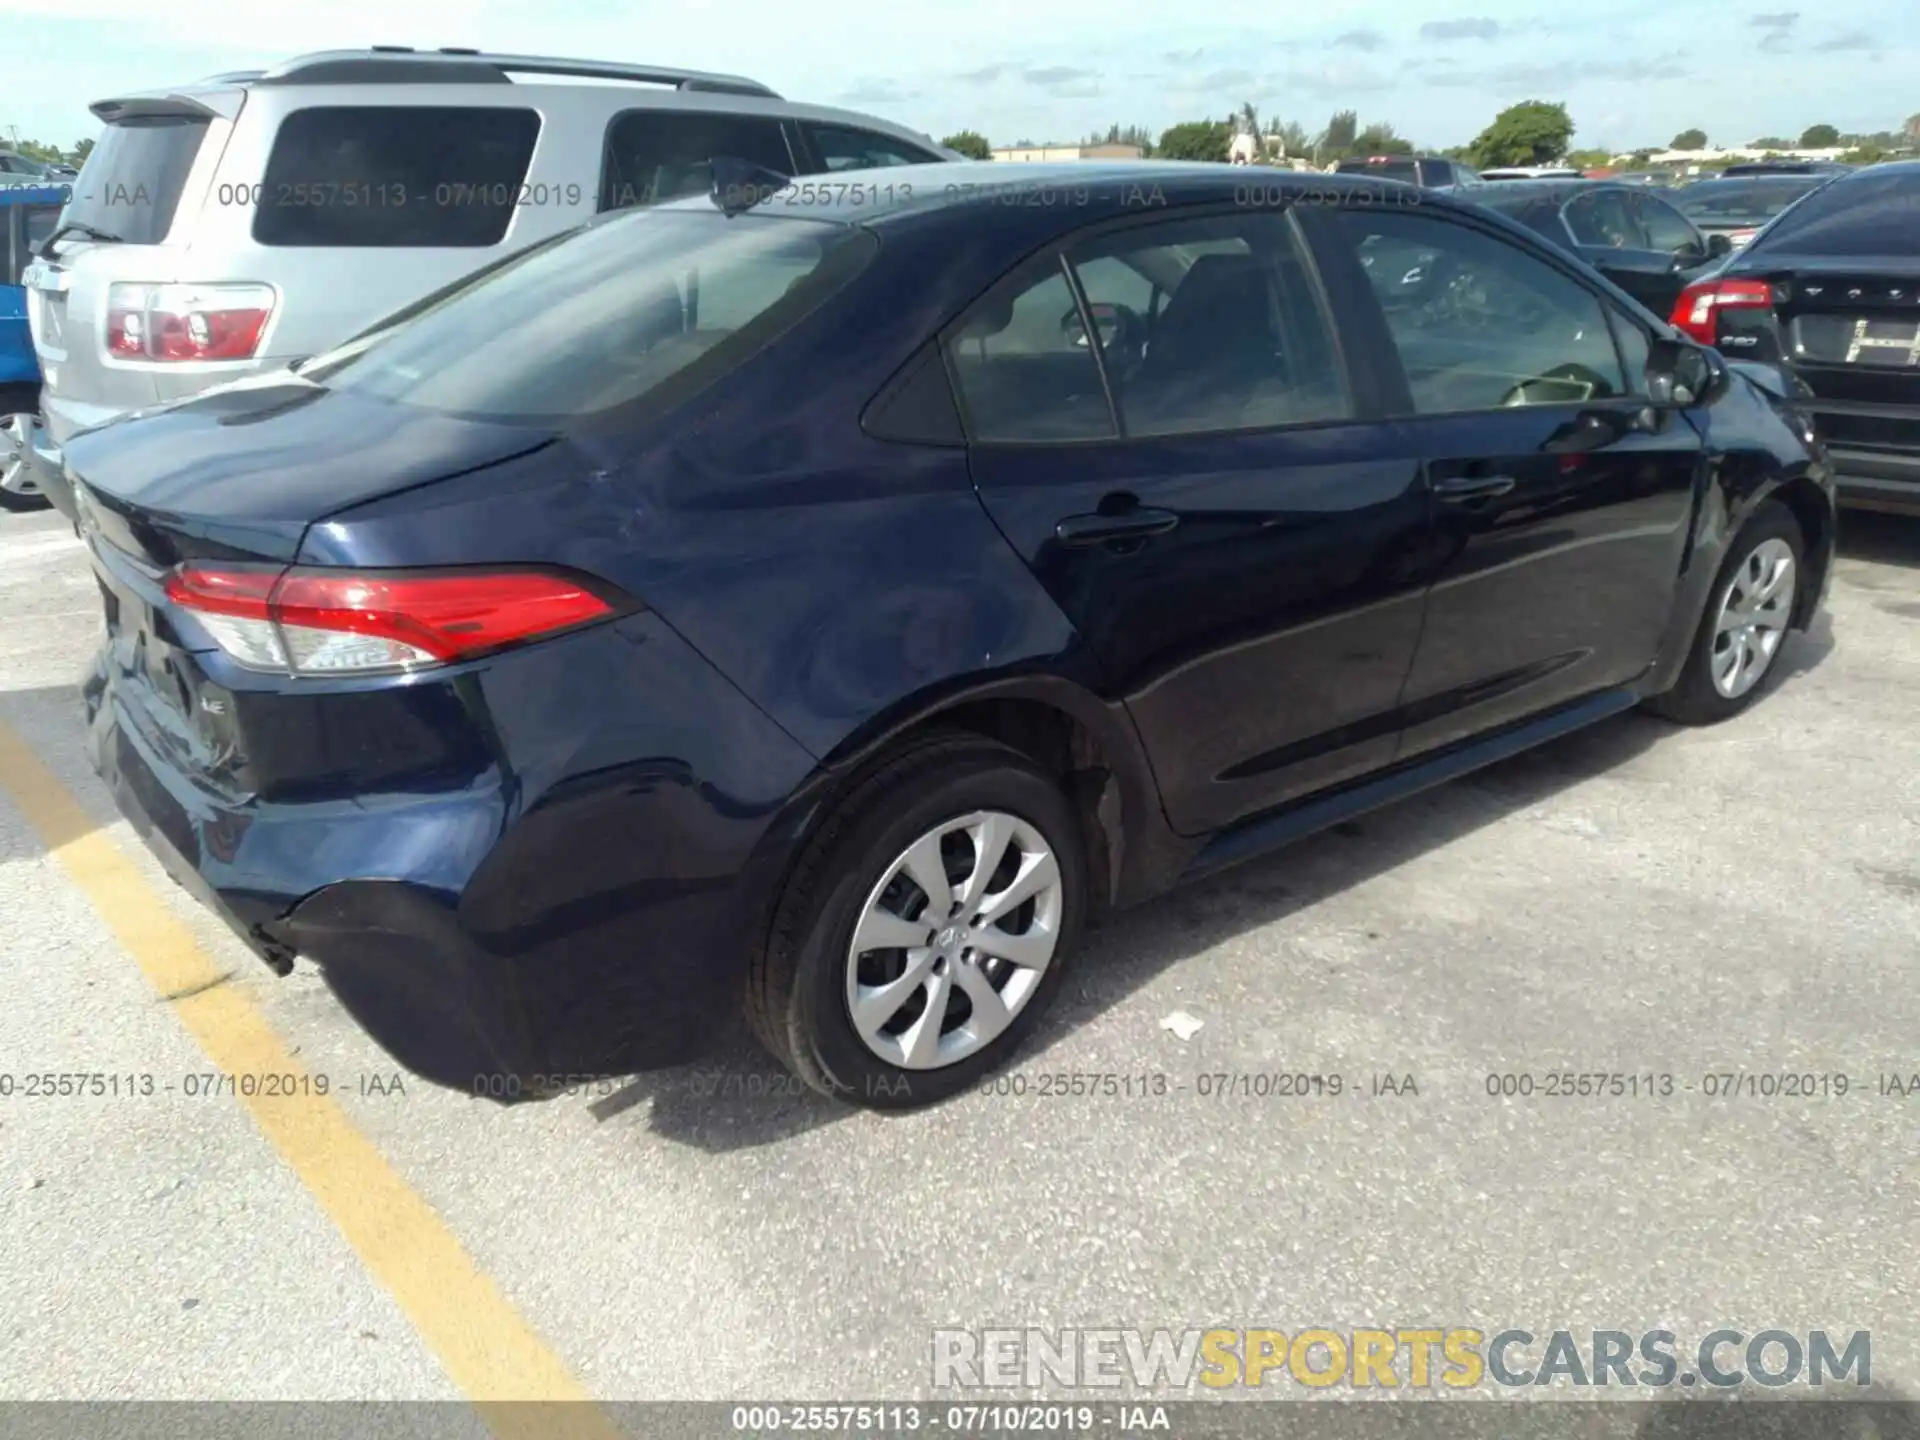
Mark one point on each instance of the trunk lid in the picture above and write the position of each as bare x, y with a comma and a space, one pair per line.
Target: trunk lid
1850, 329
242, 471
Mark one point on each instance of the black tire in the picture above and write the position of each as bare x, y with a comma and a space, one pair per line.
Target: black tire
1694, 700
20, 400
796, 985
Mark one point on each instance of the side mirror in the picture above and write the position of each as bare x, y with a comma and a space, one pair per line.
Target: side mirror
1681, 374
1719, 244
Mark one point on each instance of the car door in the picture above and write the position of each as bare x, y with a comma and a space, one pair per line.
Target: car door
1606, 229
1163, 422
1562, 499
1672, 234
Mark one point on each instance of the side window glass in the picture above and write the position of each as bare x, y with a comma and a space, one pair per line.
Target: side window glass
40, 222
1239, 343
1479, 323
843, 148
1666, 228
1023, 366
1601, 217
394, 175
656, 155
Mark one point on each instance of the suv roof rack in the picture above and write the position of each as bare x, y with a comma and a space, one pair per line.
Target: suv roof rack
395, 64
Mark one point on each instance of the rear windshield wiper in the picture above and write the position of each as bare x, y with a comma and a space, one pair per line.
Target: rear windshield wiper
74, 227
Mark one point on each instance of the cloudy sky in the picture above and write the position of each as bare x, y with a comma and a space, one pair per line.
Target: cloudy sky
1632, 73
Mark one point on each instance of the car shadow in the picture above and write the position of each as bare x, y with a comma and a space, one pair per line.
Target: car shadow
739, 1096
1880, 538
1870, 1412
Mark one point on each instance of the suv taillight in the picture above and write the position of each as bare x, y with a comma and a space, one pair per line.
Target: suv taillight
335, 622
1697, 311
186, 322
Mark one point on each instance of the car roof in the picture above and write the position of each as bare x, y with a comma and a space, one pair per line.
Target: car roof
469, 75
1515, 193
1079, 191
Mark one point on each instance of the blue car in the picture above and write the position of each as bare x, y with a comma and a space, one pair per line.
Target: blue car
818, 600
28, 214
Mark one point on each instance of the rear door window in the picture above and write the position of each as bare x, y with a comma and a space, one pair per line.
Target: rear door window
397, 176
842, 147
130, 186
655, 155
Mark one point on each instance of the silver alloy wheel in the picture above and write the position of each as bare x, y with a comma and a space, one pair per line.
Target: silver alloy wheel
954, 940
13, 455
1752, 619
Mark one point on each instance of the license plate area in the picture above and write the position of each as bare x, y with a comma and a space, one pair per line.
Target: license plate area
139, 653
1877, 342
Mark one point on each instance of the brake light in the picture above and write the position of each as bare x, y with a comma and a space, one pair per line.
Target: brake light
187, 322
334, 622
1697, 311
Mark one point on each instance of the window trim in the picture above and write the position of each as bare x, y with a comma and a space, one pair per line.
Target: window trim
803, 132
1358, 384
780, 124
1555, 260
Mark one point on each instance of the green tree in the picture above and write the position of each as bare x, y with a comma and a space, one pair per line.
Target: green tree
1293, 137
1379, 138
1533, 132
970, 143
1689, 140
1196, 140
1336, 141
1589, 159
1118, 134
1819, 137
1866, 155
1772, 142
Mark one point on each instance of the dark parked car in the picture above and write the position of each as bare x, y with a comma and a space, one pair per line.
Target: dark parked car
832, 600
1830, 291
1637, 239
1738, 208
1429, 172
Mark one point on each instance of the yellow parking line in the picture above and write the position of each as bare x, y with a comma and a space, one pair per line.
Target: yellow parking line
487, 1349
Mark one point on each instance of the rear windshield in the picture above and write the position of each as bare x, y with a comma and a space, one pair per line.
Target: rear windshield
131, 183
1757, 199
363, 176
1875, 212
607, 315
1387, 169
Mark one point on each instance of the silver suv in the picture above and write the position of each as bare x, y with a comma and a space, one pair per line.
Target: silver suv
250, 219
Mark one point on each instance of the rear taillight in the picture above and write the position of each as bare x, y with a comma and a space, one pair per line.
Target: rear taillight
334, 622
187, 322
1697, 311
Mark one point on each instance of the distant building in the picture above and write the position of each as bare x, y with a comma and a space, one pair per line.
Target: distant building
1033, 153
1748, 152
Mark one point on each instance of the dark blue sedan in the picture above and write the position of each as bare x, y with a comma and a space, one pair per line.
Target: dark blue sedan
822, 598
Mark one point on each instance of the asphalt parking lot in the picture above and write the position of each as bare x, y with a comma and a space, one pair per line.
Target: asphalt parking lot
1637, 900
